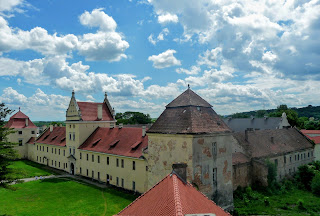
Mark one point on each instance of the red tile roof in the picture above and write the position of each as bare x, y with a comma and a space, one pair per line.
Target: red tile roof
171, 196
239, 158
189, 114
116, 141
89, 111
315, 139
18, 120
31, 140
56, 137
310, 131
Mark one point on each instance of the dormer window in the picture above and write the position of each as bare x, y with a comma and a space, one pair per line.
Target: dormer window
20, 132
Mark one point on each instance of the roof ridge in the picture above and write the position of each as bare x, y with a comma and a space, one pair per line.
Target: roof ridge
177, 199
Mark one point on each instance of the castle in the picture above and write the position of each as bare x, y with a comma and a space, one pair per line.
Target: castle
188, 132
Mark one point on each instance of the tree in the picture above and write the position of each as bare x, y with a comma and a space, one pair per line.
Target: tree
133, 118
7, 153
292, 115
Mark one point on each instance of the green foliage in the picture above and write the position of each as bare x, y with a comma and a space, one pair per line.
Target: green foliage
300, 205
305, 175
240, 115
272, 173
7, 152
292, 115
133, 118
260, 113
315, 184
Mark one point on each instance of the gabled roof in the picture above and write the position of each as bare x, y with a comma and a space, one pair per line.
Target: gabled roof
268, 143
171, 196
188, 114
18, 120
31, 140
57, 137
241, 124
89, 111
118, 141
310, 131
315, 139
239, 158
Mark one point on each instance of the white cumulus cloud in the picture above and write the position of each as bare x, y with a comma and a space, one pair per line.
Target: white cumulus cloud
165, 59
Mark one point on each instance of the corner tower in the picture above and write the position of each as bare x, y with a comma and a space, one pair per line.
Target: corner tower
190, 131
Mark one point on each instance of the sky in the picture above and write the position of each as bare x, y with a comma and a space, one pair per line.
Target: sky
237, 55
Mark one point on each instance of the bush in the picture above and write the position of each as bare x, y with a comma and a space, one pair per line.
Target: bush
266, 201
315, 184
305, 175
300, 205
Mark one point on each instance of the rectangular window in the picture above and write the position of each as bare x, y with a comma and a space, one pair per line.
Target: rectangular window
20, 132
214, 175
122, 182
284, 159
74, 151
32, 132
37, 158
276, 162
74, 136
47, 149
117, 162
64, 152
20, 142
133, 165
52, 163
43, 148
59, 151
55, 163
55, 151
98, 159
107, 160
52, 151
214, 149
87, 157
70, 136
134, 186
295, 158
37, 147
298, 157
304, 155
290, 159
308, 154
70, 151
66, 165
80, 156
59, 164
87, 172
80, 170
92, 174
147, 168
92, 158
98, 175
74, 126
122, 163
117, 181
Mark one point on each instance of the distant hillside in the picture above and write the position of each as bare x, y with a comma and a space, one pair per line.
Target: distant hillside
47, 123
309, 111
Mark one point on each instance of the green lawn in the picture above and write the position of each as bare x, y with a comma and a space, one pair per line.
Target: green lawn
281, 204
61, 197
26, 169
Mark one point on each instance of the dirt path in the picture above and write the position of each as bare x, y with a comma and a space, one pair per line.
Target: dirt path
105, 204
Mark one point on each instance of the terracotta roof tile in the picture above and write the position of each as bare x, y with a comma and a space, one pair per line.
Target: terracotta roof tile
171, 196
18, 120
56, 137
189, 115
31, 140
260, 143
310, 131
315, 139
239, 158
89, 111
118, 141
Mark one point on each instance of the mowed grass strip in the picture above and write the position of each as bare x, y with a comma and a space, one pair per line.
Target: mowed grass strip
61, 197
27, 169
281, 204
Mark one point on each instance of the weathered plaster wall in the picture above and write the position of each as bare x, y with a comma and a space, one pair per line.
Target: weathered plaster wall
259, 173
241, 175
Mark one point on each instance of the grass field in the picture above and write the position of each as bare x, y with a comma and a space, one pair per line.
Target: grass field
26, 169
281, 204
61, 197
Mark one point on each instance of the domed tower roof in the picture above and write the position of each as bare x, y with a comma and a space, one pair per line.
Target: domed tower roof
189, 114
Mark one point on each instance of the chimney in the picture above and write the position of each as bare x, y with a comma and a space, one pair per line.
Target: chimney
143, 131
272, 139
121, 125
51, 128
181, 170
246, 135
99, 111
27, 122
111, 124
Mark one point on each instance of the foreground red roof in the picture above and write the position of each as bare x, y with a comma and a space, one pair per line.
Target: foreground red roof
172, 196
56, 137
315, 139
89, 111
18, 120
119, 141
310, 131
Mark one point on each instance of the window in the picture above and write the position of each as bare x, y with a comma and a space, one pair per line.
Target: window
52, 150
69, 126
308, 154
92, 158
284, 159
74, 136
290, 159
55, 151
214, 175
107, 160
147, 168
276, 162
98, 175
70, 136
214, 148
69, 151
92, 174
40, 160
304, 155
37, 147
134, 186
74, 151
32, 132
80, 156
59, 164
298, 157
117, 162
52, 163
42, 148
122, 182
122, 163
133, 165
20, 142
98, 159
87, 172
66, 165
295, 157
20, 132
289, 171
47, 149
37, 158
55, 163
80, 170
59, 151
87, 157
117, 181
74, 126
64, 152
